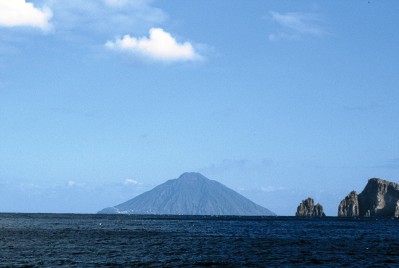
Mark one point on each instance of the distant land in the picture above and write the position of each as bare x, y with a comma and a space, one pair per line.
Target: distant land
190, 194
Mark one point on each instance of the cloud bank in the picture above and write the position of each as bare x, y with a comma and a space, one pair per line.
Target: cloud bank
160, 46
293, 25
14, 13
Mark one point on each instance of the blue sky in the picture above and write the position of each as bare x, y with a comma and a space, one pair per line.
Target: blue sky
279, 100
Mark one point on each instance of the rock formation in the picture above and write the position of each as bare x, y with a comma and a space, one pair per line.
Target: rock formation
190, 194
349, 207
380, 198
308, 209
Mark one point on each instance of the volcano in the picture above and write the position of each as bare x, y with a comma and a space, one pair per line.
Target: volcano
190, 194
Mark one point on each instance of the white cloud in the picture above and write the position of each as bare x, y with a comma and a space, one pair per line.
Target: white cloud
130, 182
160, 45
294, 25
15, 13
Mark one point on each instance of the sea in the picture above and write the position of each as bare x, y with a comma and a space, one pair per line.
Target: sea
79, 240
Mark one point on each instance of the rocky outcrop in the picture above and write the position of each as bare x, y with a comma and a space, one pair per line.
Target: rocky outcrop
380, 198
308, 209
349, 207
190, 194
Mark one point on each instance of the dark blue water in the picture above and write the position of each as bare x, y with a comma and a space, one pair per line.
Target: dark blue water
122, 240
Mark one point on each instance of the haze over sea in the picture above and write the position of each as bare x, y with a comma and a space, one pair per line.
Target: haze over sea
128, 240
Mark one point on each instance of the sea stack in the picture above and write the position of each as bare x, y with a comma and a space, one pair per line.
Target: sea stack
308, 209
190, 194
380, 198
349, 207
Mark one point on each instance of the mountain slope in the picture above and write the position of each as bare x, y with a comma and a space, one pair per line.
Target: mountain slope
190, 194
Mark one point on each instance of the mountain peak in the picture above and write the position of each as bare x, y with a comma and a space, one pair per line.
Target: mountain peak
192, 176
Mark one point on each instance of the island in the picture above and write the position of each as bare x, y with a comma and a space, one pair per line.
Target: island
380, 198
307, 208
190, 194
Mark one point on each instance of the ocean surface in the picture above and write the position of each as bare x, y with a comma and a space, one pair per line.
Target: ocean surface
152, 241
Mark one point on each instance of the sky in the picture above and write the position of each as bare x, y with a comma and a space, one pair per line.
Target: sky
101, 100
